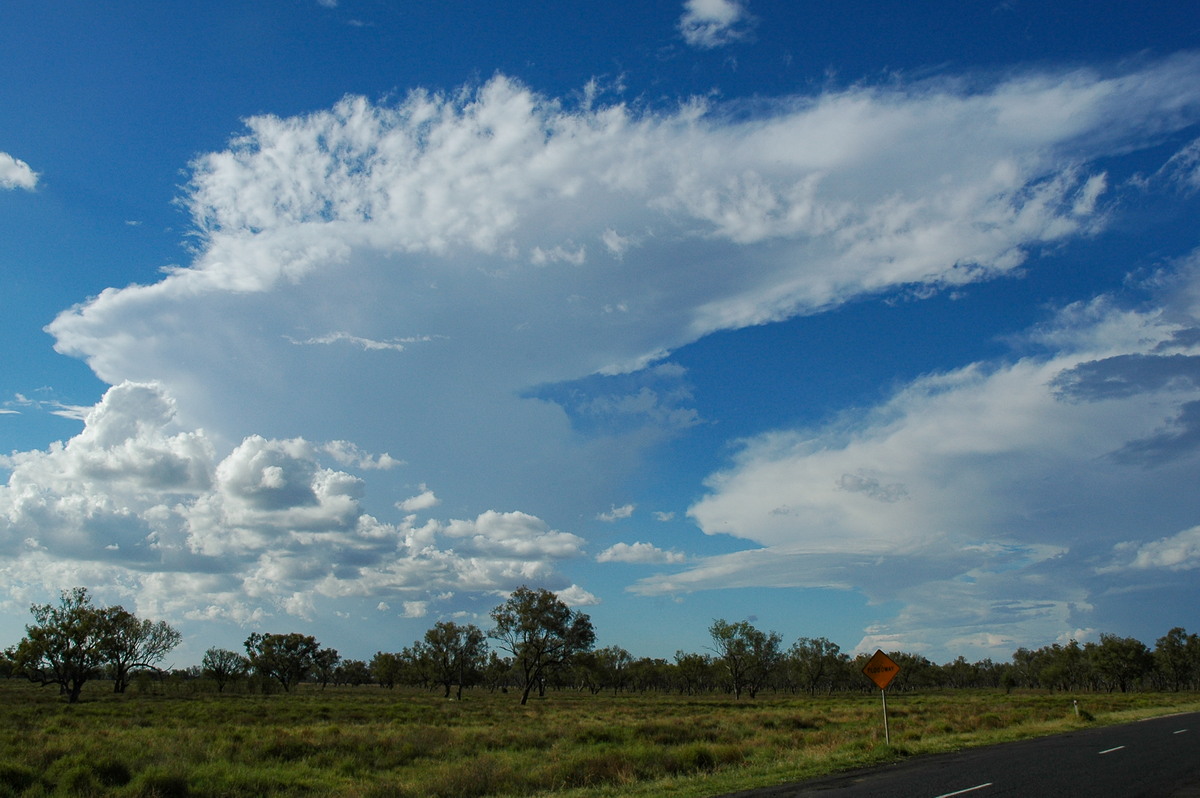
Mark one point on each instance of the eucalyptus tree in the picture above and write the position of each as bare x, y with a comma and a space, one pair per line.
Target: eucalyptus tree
285, 658
749, 655
132, 643
457, 654
541, 632
64, 645
386, 668
1120, 662
74, 641
223, 666
1177, 658
814, 663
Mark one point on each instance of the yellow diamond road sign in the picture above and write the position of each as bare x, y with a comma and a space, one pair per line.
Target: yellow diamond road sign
881, 670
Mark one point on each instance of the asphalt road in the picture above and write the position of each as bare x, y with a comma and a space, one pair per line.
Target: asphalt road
1158, 758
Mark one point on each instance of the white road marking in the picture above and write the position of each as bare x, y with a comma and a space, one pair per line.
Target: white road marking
1181, 731
969, 789
1110, 750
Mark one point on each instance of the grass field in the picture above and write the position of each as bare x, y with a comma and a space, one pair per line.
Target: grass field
368, 741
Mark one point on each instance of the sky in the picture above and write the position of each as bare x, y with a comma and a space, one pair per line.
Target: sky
871, 321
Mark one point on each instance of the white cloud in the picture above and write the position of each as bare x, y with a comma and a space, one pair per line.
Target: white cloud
980, 498
388, 224
714, 23
134, 503
575, 596
617, 513
639, 553
1179, 552
514, 534
424, 500
15, 173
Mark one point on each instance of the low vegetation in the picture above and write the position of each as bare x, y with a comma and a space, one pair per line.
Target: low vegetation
177, 737
555, 717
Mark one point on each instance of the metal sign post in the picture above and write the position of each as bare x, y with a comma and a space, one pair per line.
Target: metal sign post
880, 669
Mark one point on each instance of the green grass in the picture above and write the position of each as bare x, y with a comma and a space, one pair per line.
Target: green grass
368, 741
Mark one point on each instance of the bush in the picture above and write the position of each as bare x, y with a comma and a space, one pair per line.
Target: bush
15, 779
159, 783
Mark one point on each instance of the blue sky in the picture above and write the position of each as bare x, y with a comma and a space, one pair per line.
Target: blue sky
875, 321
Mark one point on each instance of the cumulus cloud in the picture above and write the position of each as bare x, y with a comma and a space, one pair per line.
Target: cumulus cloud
15, 173
641, 553
424, 500
575, 596
979, 498
714, 23
135, 502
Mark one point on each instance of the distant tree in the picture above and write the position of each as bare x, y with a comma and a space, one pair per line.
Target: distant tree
456, 653
1063, 667
8, 662
325, 664
693, 672
748, 654
285, 658
386, 669
541, 632
131, 643
646, 674
354, 672
612, 667
1120, 662
1177, 658
497, 672
65, 645
416, 665
813, 663
223, 666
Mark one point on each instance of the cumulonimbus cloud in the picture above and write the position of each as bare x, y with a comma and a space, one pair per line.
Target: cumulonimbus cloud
526, 242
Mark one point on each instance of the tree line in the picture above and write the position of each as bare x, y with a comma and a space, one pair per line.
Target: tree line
537, 643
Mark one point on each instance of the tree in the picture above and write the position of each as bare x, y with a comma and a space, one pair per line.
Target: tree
287, 659
325, 664
1177, 657
131, 643
222, 666
353, 672
386, 668
749, 655
612, 664
693, 672
1120, 662
541, 632
457, 654
65, 644
814, 661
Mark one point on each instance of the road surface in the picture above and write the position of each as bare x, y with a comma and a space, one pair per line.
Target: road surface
1157, 758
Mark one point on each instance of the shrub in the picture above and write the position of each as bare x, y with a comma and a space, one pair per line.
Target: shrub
154, 782
16, 779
